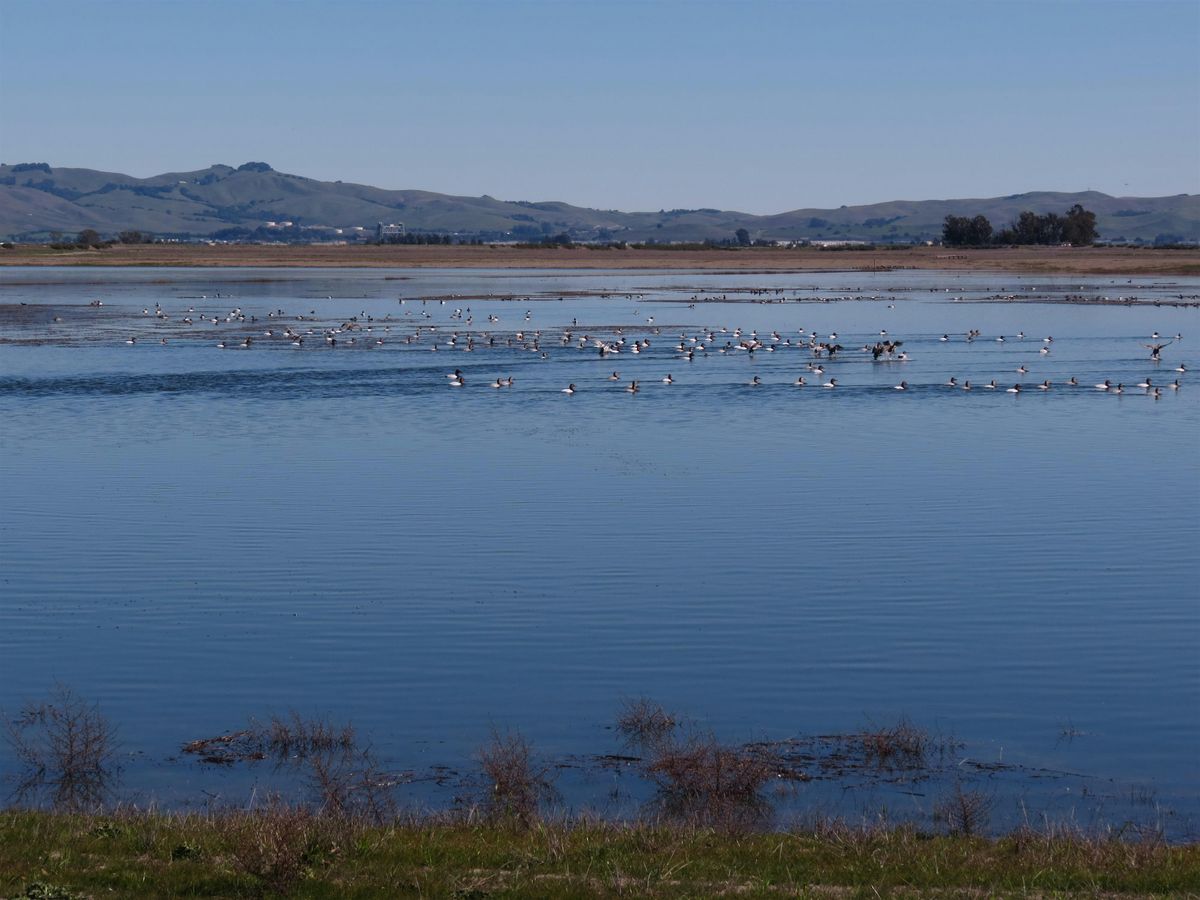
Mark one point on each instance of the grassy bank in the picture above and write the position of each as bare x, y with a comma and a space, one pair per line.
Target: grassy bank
1017, 260
285, 851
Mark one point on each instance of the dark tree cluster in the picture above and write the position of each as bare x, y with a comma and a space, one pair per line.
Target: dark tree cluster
1076, 227
88, 239
91, 239
959, 231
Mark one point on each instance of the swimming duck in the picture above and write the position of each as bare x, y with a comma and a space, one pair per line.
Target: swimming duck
569, 389
1015, 389
1106, 386
902, 386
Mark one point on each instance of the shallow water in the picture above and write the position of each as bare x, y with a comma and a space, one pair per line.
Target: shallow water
192, 536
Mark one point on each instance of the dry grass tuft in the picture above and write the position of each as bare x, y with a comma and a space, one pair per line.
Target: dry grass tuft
275, 845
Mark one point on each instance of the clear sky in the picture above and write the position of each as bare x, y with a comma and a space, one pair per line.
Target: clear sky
757, 106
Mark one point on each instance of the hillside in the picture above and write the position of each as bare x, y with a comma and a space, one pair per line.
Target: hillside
37, 200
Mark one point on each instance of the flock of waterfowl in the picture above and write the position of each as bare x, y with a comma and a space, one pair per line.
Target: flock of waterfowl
456, 333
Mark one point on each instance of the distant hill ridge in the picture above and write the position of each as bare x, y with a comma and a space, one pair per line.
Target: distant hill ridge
37, 199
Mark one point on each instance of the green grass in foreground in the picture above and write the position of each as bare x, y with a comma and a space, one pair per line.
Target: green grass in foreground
292, 853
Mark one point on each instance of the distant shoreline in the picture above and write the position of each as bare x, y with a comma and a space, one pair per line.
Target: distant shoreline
1114, 261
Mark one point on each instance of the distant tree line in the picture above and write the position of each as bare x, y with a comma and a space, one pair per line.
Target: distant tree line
1076, 227
90, 239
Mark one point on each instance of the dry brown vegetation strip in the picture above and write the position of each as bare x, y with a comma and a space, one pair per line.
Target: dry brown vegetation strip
1031, 260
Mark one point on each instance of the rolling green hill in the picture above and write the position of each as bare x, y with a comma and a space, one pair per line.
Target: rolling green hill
37, 200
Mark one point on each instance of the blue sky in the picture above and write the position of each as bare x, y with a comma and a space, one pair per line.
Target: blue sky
758, 106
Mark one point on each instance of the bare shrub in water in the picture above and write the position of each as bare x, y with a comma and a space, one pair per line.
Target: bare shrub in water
66, 751
902, 745
282, 738
702, 780
349, 783
644, 723
518, 784
296, 736
346, 781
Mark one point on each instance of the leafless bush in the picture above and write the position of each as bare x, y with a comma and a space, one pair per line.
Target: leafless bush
902, 745
965, 812
644, 723
518, 784
66, 751
349, 783
700, 779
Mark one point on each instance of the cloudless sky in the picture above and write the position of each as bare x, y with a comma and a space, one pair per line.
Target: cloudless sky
756, 106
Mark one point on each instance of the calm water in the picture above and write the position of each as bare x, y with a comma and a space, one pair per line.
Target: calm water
192, 536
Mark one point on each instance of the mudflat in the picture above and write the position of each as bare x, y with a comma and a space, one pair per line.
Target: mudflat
1028, 260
